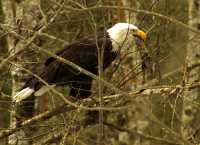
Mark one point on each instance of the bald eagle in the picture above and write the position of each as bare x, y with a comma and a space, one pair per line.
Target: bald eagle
85, 54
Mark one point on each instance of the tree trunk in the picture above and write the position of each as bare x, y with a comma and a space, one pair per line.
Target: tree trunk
15, 17
135, 120
10, 15
190, 113
5, 84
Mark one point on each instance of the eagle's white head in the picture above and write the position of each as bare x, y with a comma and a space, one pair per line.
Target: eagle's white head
122, 35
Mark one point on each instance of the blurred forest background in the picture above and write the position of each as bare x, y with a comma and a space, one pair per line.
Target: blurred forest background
161, 101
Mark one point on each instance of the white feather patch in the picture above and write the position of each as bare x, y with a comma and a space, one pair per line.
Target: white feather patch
121, 35
23, 94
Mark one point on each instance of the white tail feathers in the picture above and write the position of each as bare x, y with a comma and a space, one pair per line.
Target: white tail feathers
23, 94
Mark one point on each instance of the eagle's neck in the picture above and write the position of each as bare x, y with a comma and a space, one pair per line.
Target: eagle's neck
121, 40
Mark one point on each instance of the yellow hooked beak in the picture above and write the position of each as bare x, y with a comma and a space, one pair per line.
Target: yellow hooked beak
141, 34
